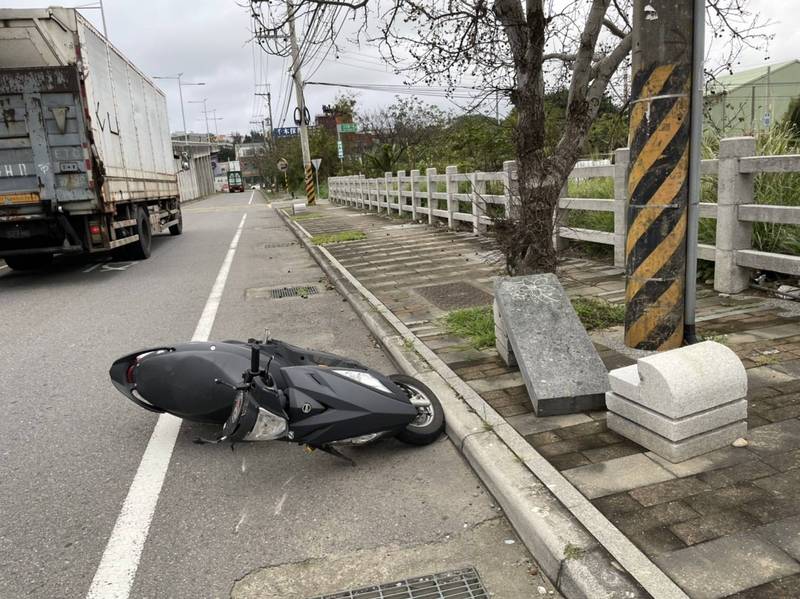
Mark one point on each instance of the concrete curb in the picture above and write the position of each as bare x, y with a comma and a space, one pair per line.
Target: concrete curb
577, 548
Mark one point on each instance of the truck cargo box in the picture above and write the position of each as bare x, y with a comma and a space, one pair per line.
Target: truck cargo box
126, 112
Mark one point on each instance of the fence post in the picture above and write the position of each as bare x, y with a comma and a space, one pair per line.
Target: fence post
430, 184
478, 203
388, 177
414, 198
511, 189
400, 199
452, 187
733, 188
361, 191
621, 161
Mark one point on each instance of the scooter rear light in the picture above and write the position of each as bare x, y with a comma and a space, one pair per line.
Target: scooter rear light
129, 373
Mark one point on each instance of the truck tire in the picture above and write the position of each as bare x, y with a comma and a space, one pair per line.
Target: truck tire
140, 249
31, 262
177, 228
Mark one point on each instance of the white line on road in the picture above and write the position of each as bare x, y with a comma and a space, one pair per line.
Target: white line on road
252, 194
117, 569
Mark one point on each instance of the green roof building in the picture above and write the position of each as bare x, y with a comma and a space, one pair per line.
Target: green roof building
752, 100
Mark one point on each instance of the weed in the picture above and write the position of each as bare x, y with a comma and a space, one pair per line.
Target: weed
597, 313
308, 216
340, 237
475, 324
573, 552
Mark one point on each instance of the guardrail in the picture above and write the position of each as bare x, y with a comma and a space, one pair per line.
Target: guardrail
475, 198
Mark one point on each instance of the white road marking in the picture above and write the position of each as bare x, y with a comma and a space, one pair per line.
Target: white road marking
279, 505
92, 267
252, 194
239, 523
3, 267
117, 570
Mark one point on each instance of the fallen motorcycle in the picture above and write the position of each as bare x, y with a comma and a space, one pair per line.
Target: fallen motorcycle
271, 390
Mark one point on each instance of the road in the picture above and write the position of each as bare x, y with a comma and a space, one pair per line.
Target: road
71, 445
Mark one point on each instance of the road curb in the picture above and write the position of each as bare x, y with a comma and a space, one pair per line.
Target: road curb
577, 548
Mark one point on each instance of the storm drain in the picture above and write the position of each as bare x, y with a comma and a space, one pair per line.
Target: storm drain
284, 244
282, 292
457, 584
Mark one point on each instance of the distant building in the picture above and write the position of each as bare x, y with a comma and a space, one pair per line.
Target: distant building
752, 100
250, 156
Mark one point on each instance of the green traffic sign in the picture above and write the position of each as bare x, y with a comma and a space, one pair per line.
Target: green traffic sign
347, 128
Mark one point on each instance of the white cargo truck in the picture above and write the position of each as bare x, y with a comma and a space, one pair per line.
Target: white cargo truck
86, 161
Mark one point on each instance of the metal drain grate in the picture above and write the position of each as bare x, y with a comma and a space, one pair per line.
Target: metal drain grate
457, 584
294, 292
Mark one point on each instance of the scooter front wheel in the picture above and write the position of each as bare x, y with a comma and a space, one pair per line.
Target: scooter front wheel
429, 424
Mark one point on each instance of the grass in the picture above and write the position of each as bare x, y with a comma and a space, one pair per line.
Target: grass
340, 237
308, 216
477, 324
474, 324
597, 313
598, 187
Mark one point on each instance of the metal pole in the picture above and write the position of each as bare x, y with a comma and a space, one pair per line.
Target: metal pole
103, 15
183, 114
301, 105
695, 145
655, 248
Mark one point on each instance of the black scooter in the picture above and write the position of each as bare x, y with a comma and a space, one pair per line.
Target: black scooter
262, 391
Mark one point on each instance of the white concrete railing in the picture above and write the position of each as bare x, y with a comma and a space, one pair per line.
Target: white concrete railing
454, 197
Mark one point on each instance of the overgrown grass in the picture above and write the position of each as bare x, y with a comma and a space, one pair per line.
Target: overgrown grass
770, 188
477, 324
340, 237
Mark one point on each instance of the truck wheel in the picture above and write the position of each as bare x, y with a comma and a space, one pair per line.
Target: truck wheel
140, 249
177, 228
32, 262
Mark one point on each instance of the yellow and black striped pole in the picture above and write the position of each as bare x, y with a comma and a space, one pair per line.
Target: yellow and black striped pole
311, 192
655, 249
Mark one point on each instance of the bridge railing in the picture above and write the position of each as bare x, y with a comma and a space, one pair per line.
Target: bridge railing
476, 198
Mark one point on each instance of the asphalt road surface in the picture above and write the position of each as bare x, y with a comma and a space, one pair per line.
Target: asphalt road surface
74, 484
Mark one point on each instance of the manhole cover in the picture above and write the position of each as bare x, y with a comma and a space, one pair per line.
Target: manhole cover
452, 296
280, 292
458, 584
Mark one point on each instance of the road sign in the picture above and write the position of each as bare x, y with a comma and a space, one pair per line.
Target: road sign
285, 131
347, 128
340, 147
316, 162
283, 165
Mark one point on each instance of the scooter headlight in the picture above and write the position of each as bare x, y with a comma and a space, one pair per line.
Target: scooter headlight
268, 427
365, 378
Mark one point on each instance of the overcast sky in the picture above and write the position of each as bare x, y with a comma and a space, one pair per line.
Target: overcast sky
207, 40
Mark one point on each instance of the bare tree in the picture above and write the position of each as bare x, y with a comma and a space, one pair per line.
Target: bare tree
519, 48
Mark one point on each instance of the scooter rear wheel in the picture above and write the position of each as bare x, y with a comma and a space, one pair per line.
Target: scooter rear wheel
429, 425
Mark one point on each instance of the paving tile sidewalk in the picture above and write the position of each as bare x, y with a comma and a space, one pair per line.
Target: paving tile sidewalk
723, 524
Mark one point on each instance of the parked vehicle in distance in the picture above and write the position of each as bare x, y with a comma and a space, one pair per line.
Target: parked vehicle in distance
235, 182
86, 160
276, 391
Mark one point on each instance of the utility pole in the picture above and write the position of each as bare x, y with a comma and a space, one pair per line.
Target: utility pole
301, 108
268, 96
655, 250
181, 85
205, 114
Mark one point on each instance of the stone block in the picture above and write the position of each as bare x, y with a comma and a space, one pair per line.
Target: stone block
504, 348
690, 379
676, 451
625, 382
559, 364
677, 429
298, 208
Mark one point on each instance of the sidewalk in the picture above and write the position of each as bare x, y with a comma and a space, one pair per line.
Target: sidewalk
723, 524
